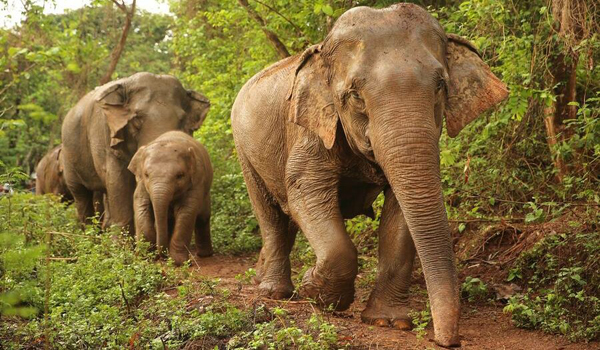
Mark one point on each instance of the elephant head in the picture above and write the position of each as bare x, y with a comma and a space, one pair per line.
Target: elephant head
143, 106
386, 78
166, 170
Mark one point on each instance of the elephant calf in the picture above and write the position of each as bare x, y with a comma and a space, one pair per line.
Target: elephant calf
49, 175
172, 197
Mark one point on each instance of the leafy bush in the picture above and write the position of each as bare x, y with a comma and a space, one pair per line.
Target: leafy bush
283, 333
474, 289
563, 291
92, 289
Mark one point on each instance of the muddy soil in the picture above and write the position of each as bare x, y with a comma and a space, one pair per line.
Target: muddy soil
482, 326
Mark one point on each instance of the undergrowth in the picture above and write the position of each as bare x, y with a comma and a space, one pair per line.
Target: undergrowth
69, 288
560, 274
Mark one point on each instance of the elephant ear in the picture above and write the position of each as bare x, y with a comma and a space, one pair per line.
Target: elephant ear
112, 98
312, 105
199, 106
193, 162
472, 88
135, 164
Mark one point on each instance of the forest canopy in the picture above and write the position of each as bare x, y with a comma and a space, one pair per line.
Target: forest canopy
521, 183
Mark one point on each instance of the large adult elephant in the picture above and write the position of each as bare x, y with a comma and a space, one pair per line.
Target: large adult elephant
321, 134
103, 131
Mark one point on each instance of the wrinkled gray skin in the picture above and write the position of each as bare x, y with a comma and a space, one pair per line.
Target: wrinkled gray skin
107, 126
50, 179
49, 175
172, 197
321, 134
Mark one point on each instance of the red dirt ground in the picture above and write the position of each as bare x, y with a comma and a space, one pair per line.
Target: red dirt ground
482, 326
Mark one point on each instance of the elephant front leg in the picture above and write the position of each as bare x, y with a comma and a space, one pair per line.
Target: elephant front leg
179, 245
314, 206
388, 302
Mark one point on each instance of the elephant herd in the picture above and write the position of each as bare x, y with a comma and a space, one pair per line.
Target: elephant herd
319, 136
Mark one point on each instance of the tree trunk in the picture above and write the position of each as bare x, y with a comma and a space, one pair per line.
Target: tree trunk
273, 38
572, 23
118, 50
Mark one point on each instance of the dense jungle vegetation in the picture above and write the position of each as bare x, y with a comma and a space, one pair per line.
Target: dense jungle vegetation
521, 183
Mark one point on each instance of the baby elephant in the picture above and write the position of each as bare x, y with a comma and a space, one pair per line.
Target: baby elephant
172, 197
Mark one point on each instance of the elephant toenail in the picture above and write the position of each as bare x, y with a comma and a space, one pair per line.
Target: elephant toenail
403, 325
381, 322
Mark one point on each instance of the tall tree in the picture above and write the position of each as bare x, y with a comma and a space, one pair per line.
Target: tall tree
573, 22
118, 50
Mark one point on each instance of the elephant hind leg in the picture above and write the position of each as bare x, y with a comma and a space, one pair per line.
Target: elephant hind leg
388, 302
278, 235
202, 235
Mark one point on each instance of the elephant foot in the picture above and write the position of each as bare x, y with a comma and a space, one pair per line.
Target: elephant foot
204, 252
378, 314
276, 290
179, 258
447, 341
327, 292
445, 327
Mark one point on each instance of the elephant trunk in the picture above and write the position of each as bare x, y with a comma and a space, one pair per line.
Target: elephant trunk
161, 199
405, 143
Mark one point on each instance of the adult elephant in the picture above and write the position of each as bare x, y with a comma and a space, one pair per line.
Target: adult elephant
103, 131
49, 175
321, 134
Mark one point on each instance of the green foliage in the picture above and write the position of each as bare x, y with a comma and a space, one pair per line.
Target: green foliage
421, 320
283, 333
474, 289
102, 292
93, 289
50, 61
563, 286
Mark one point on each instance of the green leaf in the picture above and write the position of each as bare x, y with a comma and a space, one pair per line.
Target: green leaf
327, 10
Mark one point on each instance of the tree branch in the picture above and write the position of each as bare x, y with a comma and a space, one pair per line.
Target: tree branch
273, 38
115, 55
298, 30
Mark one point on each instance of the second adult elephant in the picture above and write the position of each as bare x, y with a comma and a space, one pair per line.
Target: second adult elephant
107, 126
49, 175
321, 134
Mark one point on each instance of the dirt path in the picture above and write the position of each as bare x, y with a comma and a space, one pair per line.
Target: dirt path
482, 327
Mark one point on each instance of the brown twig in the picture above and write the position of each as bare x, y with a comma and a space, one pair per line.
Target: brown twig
487, 220
72, 235
298, 30
126, 302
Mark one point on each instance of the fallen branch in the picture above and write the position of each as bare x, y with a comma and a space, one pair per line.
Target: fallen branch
64, 259
487, 220
72, 235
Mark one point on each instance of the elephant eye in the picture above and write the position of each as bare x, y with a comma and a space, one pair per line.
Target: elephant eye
179, 176
441, 84
146, 174
354, 94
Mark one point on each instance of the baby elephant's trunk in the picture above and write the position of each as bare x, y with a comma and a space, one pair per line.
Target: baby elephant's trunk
160, 201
